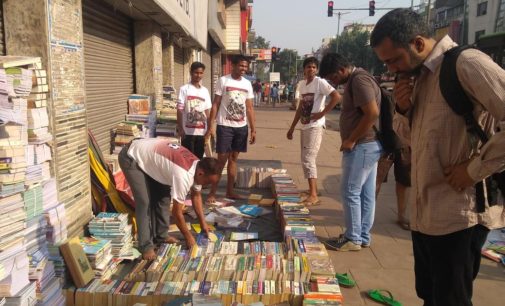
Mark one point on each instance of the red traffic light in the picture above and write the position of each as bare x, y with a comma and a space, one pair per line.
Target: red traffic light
330, 3
330, 8
274, 50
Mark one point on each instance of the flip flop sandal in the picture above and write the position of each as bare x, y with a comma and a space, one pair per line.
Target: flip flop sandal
306, 193
378, 296
310, 204
345, 280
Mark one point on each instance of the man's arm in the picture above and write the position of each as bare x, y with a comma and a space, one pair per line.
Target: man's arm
298, 114
196, 198
484, 83
370, 115
177, 213
180, 129
251, 119
335, 97
213, 113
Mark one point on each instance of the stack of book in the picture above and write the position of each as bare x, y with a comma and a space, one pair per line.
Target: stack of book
98, 252
284, 188
27, 161
56, 224
256, 177
15, 262
125, 133
12, 221
115, 228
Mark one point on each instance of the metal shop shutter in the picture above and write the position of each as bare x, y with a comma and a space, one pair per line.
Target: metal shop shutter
2, 37
108, 68
179, 73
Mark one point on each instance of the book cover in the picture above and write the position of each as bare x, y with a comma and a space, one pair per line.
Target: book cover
77, 262
251, 210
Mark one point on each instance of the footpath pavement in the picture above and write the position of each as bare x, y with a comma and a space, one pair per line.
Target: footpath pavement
388, 263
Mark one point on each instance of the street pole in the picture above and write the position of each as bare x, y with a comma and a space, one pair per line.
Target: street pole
339, 14
411, 4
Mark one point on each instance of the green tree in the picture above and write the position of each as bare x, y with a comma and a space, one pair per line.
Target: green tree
355, 45
286, 64
260, 43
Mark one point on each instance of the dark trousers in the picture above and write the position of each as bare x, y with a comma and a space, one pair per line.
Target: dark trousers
445, 266
152, 203
195, 144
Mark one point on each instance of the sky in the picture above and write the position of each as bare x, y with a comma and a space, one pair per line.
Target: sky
302, 24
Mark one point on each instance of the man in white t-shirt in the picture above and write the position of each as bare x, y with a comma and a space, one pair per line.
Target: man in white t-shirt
193, 107
233, 110
160, 173
310, 112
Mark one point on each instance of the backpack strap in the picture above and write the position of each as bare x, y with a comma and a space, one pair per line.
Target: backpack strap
454, 94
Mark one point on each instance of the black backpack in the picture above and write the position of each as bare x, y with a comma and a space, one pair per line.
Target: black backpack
458, 101
387, 137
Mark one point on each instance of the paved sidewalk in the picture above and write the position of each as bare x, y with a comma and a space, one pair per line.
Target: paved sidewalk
388, 264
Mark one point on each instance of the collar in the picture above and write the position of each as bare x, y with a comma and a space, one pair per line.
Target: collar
436, 56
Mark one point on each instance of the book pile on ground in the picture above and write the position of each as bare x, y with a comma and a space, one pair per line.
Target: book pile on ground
19, 80
12, 221
27, 296
125, 133
56, 224
33, 201
284, 188
49, 194
224, 219
494, 247
239, 236
114, 227
15, 262
256, 177
98, 252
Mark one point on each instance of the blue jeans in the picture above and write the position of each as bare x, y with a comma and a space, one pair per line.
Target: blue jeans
359, 169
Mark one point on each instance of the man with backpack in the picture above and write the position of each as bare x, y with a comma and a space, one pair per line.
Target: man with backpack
360, 146
450, 218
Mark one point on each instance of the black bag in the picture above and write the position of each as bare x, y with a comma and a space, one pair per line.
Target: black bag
387, 137
453, 93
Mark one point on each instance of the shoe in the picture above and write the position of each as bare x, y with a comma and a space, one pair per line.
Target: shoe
342, 244
365, 245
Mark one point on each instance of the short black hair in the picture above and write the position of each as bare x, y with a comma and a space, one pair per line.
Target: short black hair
401, 26
310, 60
332, 62
196, 65
236, 59
209, 165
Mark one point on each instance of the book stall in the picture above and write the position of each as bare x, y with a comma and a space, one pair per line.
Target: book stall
33, 222
233, 265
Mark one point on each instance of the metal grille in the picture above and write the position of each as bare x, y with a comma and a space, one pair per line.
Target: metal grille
108, 64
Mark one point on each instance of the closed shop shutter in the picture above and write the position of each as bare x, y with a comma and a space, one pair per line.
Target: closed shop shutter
179, 72
2, 37
216, 67
207, 61
108, 64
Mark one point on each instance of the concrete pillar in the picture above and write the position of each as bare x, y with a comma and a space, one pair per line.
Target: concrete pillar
168, 60
148, 61
52, 30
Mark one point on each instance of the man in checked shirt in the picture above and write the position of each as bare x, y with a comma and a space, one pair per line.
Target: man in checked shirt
447, 231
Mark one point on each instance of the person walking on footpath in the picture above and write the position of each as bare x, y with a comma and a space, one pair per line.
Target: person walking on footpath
311, 114
160, 173
360, 148
449, 218
274, 94
257, 92
193, 108
233, 110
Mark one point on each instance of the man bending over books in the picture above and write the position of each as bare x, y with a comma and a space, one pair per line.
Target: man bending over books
160, 173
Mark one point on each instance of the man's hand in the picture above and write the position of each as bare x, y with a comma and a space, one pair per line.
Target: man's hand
205, 229
252, 139
402, 93
289, 135
190, 241
347, 145
316, 116
458, 177
180, 132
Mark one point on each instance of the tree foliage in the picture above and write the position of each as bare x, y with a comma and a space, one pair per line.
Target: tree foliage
355, 45
287, 65
260, 43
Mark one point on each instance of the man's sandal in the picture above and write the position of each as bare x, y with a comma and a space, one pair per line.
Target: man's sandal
383, 296
345, 280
